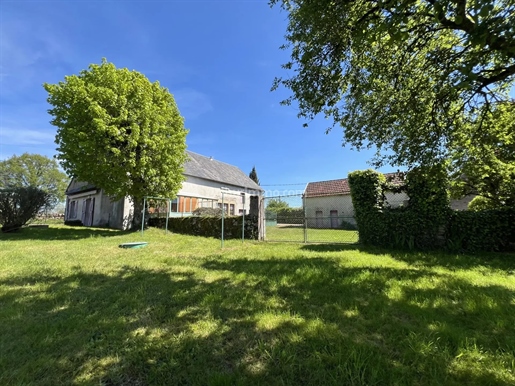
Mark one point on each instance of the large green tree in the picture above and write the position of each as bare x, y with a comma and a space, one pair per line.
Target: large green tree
402, 75
37, 171
119, 131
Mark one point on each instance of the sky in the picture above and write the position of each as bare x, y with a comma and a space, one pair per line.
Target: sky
218, 59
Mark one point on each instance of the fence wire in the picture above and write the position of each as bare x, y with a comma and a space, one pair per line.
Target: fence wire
315, 219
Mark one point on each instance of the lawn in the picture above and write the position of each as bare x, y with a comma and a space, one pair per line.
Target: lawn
296, 233
76, 309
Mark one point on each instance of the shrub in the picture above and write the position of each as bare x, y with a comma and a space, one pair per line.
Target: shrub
210, 226
419, 225
348, 226
208, 212
20, 205
487, 230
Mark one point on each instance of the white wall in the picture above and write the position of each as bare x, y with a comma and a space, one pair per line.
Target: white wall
342, 204
200, 188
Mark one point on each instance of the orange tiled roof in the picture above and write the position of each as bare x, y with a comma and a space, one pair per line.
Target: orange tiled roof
339, 187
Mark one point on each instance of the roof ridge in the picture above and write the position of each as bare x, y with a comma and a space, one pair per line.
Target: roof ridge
214, 159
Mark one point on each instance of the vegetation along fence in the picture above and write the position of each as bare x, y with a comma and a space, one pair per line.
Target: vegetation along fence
310, 219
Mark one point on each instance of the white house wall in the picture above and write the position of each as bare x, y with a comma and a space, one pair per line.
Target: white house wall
201, 188
343, 205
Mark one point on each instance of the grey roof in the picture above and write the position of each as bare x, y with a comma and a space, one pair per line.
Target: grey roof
210, 169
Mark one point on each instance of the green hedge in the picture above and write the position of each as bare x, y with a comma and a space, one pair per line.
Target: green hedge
290, 216
488, 230
427, 222
210, 226
419, 225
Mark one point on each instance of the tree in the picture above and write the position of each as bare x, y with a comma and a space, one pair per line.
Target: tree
277, 205
253, 175
19, 205
37, 171
483, 159
119, 131
401, 75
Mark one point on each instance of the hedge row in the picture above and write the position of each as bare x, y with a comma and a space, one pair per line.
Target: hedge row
488, 230
210, 226
427, 222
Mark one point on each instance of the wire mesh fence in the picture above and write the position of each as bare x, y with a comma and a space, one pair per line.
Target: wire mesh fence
310, 219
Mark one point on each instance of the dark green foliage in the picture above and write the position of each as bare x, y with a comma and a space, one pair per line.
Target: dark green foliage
290, 216
253, 175
208, 212
34, 170
427, 222
419, 225
487, 230
210, 226
20, 205
348, 226
368, 201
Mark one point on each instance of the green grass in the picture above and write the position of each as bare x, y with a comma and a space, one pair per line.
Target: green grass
76, 309
296, 233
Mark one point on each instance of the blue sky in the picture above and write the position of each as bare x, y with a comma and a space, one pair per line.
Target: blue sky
218, 58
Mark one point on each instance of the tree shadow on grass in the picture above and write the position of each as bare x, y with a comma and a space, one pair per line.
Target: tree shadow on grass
303, 321
61, 233
504, 261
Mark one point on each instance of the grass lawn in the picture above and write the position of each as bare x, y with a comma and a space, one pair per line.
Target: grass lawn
296, 233
76, 309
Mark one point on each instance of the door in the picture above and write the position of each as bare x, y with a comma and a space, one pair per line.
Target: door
319, 219
334, 218
87, 212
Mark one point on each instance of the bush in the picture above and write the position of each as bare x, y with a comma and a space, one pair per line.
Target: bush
210, 226
348, 226
488, 230
290, 216
418, 225
20, 205
208, 212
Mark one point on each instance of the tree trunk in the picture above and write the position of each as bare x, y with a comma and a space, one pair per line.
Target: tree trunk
138, 213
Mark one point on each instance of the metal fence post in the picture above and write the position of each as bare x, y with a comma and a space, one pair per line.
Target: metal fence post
305, 219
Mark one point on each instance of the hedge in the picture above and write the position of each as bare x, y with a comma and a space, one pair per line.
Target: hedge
427, 222
488, 230
210, 226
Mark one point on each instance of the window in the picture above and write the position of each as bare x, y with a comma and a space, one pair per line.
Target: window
231, 209
242, 211
174, 205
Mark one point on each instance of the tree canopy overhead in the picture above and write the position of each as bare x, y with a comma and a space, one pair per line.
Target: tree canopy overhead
119, 131
34, 170
402, 75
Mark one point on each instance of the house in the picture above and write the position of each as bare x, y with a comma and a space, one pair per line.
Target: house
328, 204
205, 181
